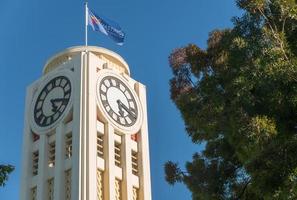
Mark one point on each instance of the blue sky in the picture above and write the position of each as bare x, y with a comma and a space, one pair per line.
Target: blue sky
34, 30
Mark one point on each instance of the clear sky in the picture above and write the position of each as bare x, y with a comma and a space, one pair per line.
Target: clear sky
34, 30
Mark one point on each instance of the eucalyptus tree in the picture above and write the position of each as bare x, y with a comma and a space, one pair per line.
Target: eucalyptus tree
238, 97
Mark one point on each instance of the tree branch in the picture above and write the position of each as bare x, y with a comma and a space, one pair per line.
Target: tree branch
243, 189
275, 32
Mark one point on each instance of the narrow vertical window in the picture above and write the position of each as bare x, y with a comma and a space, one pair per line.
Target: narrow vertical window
134, 157
134, 137
35, 158
68, 145
99, 145
135, 193
118, 189
51, 154
117, 154
99, 185
50, 183
35, 137
68, 184
33, 193
69, 118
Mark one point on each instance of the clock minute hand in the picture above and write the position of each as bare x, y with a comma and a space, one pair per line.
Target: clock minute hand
121, 105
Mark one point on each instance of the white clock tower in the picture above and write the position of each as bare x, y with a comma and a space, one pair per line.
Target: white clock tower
86, 134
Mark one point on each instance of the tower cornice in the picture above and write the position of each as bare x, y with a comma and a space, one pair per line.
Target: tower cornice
67, 54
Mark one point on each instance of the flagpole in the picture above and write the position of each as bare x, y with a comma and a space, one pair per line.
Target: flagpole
86, 23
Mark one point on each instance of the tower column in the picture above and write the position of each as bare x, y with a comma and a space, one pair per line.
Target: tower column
109, 175
127, 168
42, 168
77, 136
91, 127
26, 177
144, 171
59, 183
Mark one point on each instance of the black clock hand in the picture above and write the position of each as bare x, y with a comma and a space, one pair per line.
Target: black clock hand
121, 105
54, 101
121, 112
58, 100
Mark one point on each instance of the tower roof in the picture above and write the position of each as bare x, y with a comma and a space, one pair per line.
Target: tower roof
101, 52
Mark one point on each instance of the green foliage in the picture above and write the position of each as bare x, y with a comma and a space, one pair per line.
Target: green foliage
173, 172
239, 97
5, 170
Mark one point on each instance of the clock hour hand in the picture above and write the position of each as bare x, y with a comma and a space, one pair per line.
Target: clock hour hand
123, 106
54, 103
58, 100
121, 112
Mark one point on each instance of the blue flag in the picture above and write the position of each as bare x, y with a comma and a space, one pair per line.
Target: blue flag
107, 27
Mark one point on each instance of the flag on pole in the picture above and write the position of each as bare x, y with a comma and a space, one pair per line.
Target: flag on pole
107, 27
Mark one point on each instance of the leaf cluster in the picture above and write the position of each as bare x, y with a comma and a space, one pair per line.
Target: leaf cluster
5, 170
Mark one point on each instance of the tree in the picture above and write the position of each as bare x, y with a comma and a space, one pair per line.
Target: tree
5, 170
239, 98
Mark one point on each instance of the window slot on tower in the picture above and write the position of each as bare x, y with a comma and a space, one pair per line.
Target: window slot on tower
118, 190
35, 158
69, 117
99, 185
51, 154
68, 145
134, 157
117, 154
99, 145
135, 193
134, 137
68, 184
33, 193
35, 137
50, 183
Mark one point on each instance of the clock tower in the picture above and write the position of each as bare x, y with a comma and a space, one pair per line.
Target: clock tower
86, 134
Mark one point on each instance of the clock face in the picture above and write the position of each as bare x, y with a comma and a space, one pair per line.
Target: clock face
52, 101
118, 101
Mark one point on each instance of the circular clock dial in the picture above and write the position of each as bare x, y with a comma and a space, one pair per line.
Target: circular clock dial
118, 101
52, 101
